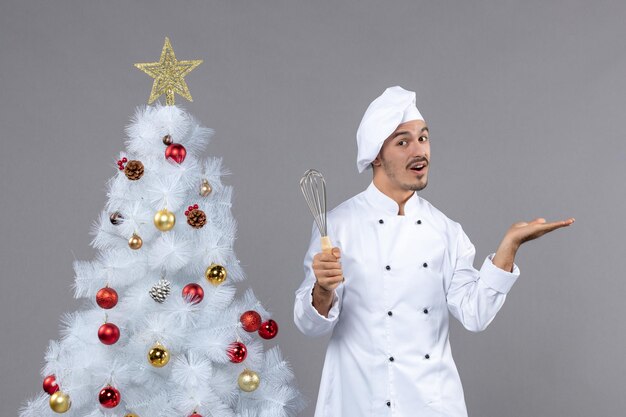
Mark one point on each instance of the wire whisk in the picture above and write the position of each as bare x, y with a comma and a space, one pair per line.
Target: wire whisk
313, 188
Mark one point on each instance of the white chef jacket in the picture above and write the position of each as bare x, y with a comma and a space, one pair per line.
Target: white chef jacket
389, 353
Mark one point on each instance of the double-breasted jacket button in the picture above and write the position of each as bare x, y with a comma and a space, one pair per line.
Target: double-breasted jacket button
425, 311
381, 221
388, 403
419, 222
391, 359
389, 313
425, 265
427, 356
387, 267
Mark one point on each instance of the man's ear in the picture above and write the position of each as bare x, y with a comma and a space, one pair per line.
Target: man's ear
376, 161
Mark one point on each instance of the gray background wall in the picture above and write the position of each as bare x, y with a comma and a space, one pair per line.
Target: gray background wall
525, 101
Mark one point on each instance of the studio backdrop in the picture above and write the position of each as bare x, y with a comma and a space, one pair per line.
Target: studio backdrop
525, 102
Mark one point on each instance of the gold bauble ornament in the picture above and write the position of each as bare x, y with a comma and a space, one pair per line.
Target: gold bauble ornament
60, 402
205, 188
135, 242
131, 415
158, 356
164, 220
248, 380
215, 274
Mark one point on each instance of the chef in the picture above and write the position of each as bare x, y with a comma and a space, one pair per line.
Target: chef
398, 270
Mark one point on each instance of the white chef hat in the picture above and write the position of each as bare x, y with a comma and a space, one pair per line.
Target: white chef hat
392, 108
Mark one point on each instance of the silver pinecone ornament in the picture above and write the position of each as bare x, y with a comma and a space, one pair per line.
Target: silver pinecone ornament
160, 290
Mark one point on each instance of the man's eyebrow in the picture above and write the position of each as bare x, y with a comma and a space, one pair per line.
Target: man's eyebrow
406, 132
402, 132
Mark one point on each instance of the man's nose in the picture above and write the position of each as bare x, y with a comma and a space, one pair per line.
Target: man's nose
418, 149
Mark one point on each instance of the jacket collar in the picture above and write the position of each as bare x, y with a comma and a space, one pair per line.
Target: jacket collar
384, 204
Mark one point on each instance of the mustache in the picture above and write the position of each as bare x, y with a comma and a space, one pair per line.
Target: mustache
418, 160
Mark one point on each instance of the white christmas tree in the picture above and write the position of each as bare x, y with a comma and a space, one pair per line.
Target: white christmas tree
162, 333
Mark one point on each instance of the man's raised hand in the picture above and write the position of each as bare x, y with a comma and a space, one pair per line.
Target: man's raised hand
519, 233
327, 269
328, 276
522, 232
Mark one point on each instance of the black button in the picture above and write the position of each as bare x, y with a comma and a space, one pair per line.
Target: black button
389, 313
391, 359
427, 356
425, 265
425, 311
419, 222
381, 221
388, 403
387, 267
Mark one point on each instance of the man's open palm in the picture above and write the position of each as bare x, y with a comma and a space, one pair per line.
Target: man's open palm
524, 231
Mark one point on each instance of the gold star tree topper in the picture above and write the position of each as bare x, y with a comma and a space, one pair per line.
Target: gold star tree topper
169, 75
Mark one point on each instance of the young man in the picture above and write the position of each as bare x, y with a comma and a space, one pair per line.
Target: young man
402, 269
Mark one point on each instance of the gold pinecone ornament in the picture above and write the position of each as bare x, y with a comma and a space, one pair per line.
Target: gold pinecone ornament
196, 218
133, 170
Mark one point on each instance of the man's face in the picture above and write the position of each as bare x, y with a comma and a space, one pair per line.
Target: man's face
404, 159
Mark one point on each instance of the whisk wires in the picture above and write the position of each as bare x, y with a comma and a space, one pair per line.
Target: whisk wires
313, 188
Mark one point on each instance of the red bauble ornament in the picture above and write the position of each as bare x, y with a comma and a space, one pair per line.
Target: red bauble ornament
268, 329
176, 152
193, 293
195, 415
109, 397
108, 333
50, 384
106, 298
250, 321
237, 352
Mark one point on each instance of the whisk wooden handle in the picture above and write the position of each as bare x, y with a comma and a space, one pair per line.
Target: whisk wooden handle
326, 245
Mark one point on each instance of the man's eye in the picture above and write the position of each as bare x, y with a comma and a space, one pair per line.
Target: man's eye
423, 138
402, 142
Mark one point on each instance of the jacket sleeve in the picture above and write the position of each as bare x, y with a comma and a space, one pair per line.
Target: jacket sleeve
474, 297
305, 316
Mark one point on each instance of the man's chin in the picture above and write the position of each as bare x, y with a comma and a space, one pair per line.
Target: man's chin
417, 187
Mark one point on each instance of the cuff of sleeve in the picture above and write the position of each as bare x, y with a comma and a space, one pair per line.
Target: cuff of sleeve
496, 278
316, 317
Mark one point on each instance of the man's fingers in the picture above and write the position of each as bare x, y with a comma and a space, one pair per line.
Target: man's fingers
556, 225
329, 272
326, 265
523, 232
540, 229
327, 257
327, 268
331, 281
548, 227
329, 286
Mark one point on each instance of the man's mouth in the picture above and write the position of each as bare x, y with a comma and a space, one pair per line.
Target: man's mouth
418, 166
